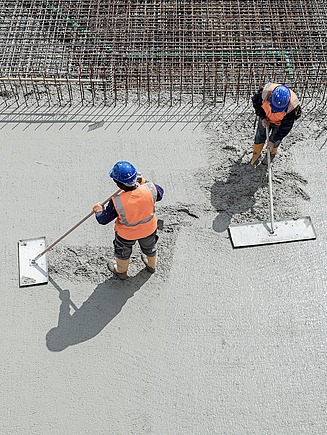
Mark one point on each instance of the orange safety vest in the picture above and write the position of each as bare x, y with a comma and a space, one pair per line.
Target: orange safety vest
136, 214
277, 117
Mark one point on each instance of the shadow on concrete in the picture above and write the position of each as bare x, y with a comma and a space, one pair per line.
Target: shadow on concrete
91, 117
236, 194
97, 311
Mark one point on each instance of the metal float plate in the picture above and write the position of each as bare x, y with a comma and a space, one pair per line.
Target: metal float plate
258, 233
30, 274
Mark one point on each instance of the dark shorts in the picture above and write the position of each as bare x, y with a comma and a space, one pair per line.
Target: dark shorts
260, 136
123, 247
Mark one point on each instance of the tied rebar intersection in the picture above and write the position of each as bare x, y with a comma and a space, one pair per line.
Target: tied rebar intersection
95, 52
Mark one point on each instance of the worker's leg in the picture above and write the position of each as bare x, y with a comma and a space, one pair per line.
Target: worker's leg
123, 251
259, 141
257, 148
273, 152
148, 246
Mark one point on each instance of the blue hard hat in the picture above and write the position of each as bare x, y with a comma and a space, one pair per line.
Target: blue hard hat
279, 98
123, 172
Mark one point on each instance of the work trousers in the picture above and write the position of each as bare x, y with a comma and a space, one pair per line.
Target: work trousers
123, 247
260, 136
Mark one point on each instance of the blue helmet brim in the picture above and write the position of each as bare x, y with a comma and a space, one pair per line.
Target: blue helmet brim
278, 109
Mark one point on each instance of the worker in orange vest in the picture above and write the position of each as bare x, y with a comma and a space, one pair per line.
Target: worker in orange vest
277, 107
134, 211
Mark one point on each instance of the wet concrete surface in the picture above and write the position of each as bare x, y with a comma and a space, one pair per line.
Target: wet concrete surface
217, 341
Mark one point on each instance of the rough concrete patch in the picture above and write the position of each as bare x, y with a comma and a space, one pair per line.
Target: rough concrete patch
90, 264
238, 192
80, 263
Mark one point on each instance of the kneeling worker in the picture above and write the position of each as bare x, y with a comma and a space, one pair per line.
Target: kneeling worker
277, 107
134, 211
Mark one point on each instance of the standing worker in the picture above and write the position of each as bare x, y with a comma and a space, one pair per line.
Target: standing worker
277, 107
134, 211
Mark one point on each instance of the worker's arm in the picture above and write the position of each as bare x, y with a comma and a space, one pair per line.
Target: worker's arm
257, 103
286, 125
160, 192
107, 215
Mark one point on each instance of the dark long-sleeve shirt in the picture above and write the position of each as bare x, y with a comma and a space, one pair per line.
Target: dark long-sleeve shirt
110, 213
287, 122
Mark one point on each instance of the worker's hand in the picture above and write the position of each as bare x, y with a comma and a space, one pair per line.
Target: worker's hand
140, 179
270, 145
265, 123
97, 207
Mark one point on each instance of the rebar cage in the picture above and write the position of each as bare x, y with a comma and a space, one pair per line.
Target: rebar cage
101, 52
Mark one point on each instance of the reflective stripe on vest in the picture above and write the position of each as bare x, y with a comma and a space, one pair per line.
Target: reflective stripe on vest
293, 102
266, 90
121, 211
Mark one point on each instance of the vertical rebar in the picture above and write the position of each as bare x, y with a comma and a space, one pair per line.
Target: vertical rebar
212, 51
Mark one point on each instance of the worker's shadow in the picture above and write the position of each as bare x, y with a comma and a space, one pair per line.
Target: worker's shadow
236, 194
97, 311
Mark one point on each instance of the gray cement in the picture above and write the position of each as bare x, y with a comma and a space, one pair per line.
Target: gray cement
218, 341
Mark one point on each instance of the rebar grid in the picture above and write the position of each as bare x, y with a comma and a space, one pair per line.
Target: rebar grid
101, 52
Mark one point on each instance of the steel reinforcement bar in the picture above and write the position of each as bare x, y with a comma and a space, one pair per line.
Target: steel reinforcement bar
100, 52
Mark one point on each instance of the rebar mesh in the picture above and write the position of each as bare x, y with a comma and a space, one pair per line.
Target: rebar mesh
100, 52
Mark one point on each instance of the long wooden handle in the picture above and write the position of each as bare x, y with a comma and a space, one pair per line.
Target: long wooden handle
73, 228
272, 223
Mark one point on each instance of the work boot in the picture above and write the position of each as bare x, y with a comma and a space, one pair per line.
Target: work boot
257, 148
119, 268
272, 156
150, 262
